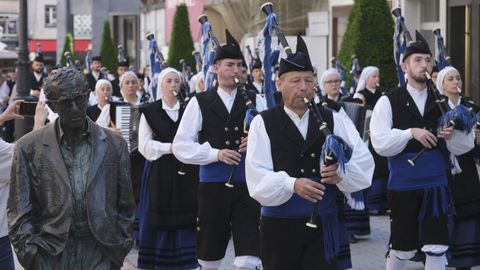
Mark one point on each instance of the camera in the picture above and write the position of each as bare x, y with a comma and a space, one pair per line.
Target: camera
28, 108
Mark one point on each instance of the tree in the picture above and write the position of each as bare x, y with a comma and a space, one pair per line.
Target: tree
369, 35
181, 43
67, 47
108, 51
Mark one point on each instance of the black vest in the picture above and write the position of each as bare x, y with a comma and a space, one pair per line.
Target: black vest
290, 152
220, 128
173, 197
94, 112
405, 115
371, 98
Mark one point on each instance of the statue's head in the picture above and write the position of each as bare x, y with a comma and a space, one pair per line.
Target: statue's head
67, 94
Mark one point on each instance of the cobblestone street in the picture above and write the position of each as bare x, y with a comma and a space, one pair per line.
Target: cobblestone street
367, 254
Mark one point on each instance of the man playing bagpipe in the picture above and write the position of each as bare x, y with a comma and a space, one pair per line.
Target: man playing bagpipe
210, 134
286, 172
404, 123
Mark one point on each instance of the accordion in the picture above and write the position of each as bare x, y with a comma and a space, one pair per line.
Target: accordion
360, 116
127, 119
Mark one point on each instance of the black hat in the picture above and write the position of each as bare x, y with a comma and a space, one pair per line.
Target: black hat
38, 58
140, 76
419, 46
123, 63
299, 61
256, 63
96, 58
230, 50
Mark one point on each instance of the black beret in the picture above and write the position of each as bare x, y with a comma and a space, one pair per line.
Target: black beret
230, 50
419, 46
299, 61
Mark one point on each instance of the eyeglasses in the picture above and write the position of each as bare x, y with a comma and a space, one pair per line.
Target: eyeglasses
78, 99
332, 82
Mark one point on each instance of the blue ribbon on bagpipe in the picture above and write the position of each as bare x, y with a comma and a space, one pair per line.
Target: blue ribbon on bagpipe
343, 74
269, 85
342, 152
464, 119
400, 45
353, 71
155, 66
439, 53
208, 55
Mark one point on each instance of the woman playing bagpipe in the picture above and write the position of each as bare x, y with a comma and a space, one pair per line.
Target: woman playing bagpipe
464, 184
369, 92
285, 163
168, 200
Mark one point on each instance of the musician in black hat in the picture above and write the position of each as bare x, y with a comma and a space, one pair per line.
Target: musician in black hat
211, 135
122, 68
37, 76
283, 171
95, 74
257, 76
404, 122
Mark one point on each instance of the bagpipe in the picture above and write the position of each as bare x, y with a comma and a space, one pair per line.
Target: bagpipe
343, 70
249, 115
401, 38
198, 61
441, 54
157, 63
209, 43
251, 110
270, 58
334, 149
353, 71
459, 117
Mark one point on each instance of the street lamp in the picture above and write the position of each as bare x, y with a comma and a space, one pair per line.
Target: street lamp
23, 126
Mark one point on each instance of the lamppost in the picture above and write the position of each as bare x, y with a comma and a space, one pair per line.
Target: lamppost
23, 126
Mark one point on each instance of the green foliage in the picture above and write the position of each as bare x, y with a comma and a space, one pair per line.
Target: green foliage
67, 47
181, 43
369, 35
108, 51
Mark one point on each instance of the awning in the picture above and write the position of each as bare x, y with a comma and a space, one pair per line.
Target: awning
50, 45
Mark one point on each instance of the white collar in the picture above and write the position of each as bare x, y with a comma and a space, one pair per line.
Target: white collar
293, 115
175, 107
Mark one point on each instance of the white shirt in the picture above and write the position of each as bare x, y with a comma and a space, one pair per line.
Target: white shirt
4, 90
185, 145
6, 157
272, 188
388, 141
153, 149
258, 86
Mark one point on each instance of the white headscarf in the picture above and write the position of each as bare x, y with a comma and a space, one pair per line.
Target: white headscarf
161, 76
325, 74
366, 72
124, 75
102, 82
441, 76
194, 81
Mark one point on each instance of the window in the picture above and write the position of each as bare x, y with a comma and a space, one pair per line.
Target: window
429, 11
50, 16
8, 27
